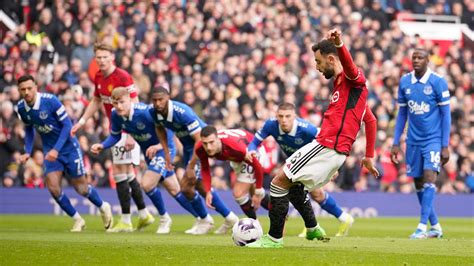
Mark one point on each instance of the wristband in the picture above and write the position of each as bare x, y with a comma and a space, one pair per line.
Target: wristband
340, 45
82, 121
260, 192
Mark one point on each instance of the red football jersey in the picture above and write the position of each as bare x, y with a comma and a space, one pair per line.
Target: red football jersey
342, 120
234, 148
105, 85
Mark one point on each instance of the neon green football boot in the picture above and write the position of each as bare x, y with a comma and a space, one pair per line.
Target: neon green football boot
121, 227
318, 233
142, 223
265, 242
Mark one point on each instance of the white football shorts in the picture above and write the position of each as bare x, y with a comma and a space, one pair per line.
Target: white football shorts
245, 172
120, 156
313, 165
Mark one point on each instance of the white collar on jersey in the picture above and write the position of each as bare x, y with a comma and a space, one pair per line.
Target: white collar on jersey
423, 79
132, 111
36, 106
293, 130
170, 111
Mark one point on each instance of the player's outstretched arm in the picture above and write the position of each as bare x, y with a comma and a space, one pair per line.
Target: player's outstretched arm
91, 109
111, 140
350, 69
370, 134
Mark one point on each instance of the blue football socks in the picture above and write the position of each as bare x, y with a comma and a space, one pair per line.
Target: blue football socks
155, 197
220, 206
94, 197
181, 199
330, 205
65, 204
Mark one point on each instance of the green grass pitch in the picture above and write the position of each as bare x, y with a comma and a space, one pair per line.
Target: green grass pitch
45, 240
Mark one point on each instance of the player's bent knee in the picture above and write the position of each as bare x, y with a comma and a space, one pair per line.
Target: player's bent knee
281, 180
55, 191
82, 189
318, 195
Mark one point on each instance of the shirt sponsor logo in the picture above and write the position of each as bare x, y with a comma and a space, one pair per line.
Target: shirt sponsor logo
428, 90
418, 108
335, 97
142, 137
44, 129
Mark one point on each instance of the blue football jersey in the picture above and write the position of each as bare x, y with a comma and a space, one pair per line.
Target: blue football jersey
140, 126
301, 134
422, 98
182, 120
46, 116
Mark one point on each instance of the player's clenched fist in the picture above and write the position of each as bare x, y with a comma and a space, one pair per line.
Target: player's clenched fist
334, 36
96, 148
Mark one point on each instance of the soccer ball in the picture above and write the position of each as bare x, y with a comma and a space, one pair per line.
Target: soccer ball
245, 231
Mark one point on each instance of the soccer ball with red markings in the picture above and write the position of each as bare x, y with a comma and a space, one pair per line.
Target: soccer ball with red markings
245, 231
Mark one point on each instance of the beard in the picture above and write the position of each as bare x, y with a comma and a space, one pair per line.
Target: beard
328, 73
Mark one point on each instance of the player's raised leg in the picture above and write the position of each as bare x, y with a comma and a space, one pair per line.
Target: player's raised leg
53, 183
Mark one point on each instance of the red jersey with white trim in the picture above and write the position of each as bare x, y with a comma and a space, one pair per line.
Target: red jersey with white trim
234, 148
105, 85
343, 118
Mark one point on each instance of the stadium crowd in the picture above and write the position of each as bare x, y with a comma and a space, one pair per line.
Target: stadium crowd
233, 62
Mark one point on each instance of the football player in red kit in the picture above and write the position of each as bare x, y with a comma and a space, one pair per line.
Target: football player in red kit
314, 164
231, 145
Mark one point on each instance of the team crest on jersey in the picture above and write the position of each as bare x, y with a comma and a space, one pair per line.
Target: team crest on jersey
279, 138
140, 126
428, 90
110, 88
299, 141
43, 115
408, 91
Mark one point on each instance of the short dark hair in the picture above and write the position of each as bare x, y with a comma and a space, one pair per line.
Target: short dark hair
421, 50
286, 106
160, 89
325, 47
207, 131
25, 78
